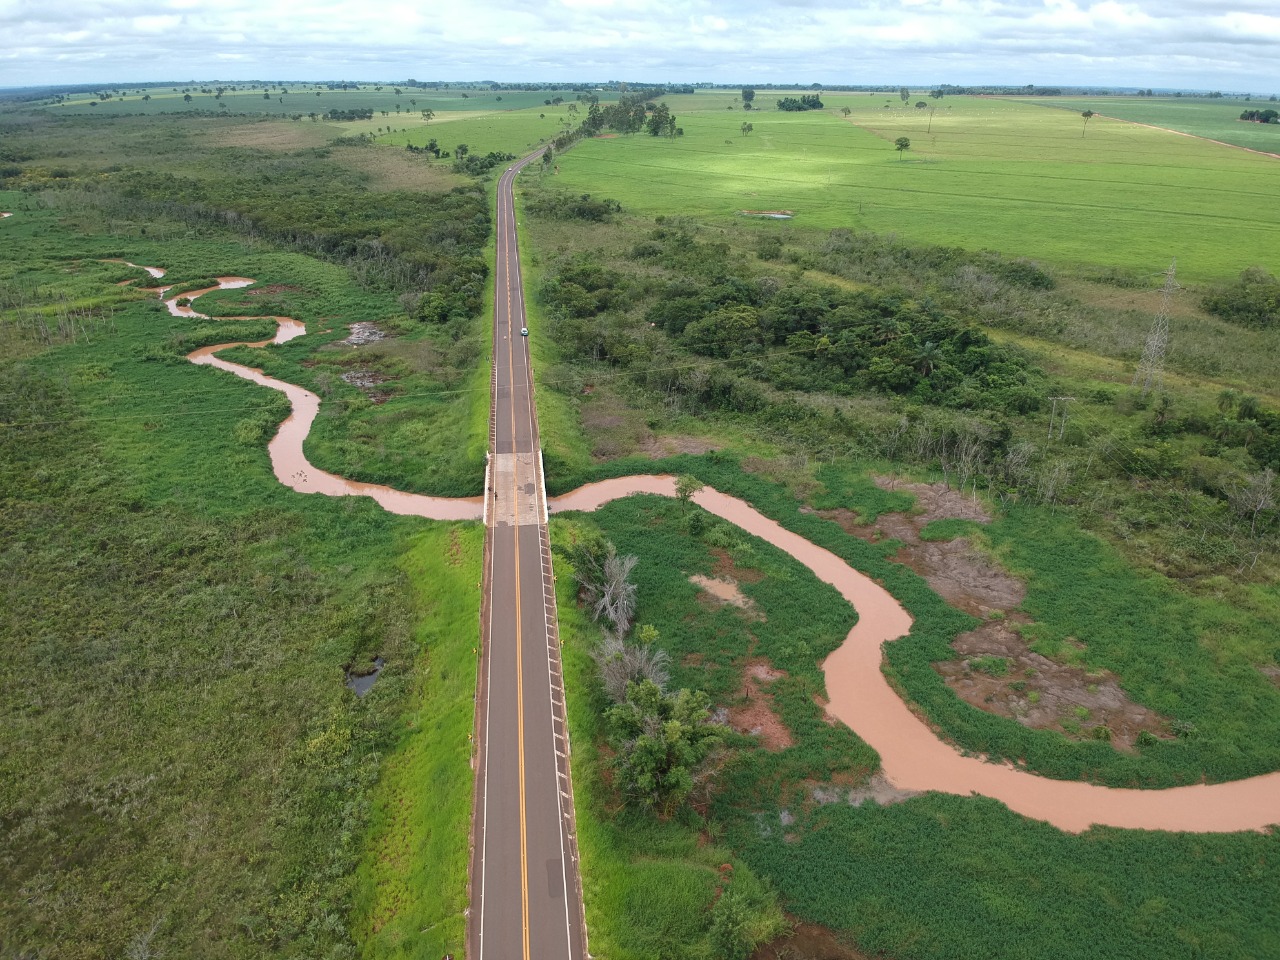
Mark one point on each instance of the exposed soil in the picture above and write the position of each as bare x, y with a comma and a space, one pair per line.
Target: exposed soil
368, 381
937, 501
362, 333
754, 714
1009, 679
807, 941
998, 673
271, 290
717, 593
876, 789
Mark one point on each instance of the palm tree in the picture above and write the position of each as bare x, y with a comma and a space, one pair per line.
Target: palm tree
1247, 408
927, 358
1088, 115
1227, 400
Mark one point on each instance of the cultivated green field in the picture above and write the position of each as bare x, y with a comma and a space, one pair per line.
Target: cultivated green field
980, 173
286, 99
1217, 119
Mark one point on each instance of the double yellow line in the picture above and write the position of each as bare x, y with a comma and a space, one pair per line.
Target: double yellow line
511, 370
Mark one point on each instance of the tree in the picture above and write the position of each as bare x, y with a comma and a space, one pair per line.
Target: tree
686, 486
186, 98
1088, 115
147, 97
902, 145
748, 94
461, 150
661, 740
746, 128
920, 105
927, 358
1255, 496
904, 95
428, 115
846, 111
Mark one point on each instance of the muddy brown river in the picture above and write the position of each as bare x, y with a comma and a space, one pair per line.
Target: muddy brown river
912, 756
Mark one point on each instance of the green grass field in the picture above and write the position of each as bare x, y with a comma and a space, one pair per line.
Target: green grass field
1215, 119
289, 98
980, 173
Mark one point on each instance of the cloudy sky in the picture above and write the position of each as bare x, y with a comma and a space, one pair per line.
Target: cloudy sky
1233, 45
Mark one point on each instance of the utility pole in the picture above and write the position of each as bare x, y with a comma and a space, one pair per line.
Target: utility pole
1054, 419
1150, 372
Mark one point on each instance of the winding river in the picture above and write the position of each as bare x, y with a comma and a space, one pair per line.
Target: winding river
913, 757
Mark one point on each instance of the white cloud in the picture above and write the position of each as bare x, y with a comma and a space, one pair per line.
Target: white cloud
1232, 44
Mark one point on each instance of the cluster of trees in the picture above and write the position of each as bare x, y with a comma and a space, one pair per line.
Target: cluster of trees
1261, 116
807, 101
478, 164
630, 113
792, 334
664, 742
427, 247
359, 113
1252, 301
556, 205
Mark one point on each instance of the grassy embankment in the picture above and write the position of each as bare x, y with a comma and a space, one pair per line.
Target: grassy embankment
842, 874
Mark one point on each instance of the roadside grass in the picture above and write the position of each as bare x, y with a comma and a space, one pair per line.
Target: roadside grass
1217, 119
981, 173
648, 885
410, 896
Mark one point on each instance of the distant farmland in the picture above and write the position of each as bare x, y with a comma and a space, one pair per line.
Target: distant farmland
979, 173
1215, 119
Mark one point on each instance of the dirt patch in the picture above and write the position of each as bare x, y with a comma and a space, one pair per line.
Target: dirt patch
876, 789
963, 577
846, 519
670, 445
999, 673
954, 569
718, 592
1271, 673
278, 135
753, 714
807, 941
937, 501
768, 214
368, 381
996, 670
725, 567
362, 333
271, 290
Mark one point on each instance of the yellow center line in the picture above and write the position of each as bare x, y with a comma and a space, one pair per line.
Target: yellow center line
524, 852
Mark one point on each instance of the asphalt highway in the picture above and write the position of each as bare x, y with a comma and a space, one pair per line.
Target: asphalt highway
526, 901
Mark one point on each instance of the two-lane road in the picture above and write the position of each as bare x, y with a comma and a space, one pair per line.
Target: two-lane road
526, 894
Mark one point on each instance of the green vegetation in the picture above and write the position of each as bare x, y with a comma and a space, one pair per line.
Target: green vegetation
982, 174
180, 755
840, 865
410, 888
1216, 118
667, 323
652, 887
